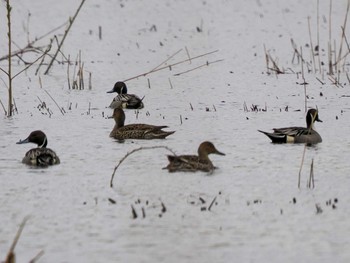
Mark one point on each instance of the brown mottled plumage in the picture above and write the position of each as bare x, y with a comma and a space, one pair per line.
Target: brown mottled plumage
193, 163
135, 131
40, 156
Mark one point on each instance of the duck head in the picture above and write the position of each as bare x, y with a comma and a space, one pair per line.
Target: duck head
37, 137
206, 148
119, 87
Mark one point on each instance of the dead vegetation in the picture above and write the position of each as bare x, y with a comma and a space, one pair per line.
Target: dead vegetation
336, 51
33, 47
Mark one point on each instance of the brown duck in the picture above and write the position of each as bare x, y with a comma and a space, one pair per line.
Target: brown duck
135, 131
193, 163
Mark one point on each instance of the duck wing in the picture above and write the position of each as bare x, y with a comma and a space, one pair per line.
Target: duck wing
128, 101
187, 163
292, 131
140, 131
41, 157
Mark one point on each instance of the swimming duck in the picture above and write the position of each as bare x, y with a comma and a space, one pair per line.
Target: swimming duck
40, 156
193, 163
297, 134
129, 101
135, 131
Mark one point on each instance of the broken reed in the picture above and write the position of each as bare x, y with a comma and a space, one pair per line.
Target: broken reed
11, 256
71, 21
78, 78
311, 181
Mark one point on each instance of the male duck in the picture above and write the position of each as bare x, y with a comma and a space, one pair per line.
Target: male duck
129, 101
40, 156
297, 134
135, 131
193, 163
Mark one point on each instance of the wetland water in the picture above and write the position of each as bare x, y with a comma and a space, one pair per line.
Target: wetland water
259, 214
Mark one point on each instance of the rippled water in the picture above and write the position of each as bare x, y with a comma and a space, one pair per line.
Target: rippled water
257, 212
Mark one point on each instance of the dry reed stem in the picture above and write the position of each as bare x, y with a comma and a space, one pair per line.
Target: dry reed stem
330, 67
29, 47
30, 64
165, 61
3, 107
171, 85
318, 35
304, 82
133, 151
36, 258
100, 32
71, 21
206, 64
55, 102
90, 81
9, 72
68, 79
211, 204
311, 178
169, 66
301, 165
267, 60
311, 45
343, 34
11, 255
188, 55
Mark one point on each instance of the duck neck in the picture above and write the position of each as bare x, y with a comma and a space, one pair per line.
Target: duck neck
310, 119
44, 144
119, 118
123, 90
203, 156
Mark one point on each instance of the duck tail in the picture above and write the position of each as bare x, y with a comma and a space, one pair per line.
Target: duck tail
164, 134
275, 137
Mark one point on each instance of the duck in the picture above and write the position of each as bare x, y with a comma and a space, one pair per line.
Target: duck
135, 131
193, 163
306, 135
129, 101
40, 156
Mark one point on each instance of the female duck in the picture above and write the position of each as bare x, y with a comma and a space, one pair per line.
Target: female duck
297, 134
193, 163
135, 131
40, 156
128, 101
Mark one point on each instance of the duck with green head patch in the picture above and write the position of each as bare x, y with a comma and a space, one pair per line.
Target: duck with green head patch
40, 156
297, 134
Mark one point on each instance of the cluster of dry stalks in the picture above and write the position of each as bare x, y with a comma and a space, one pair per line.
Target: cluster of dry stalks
336, 54
11, 256
43, 52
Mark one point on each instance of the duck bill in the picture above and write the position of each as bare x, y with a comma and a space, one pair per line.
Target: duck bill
23, 141
110, 91
219, 153
319, 120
